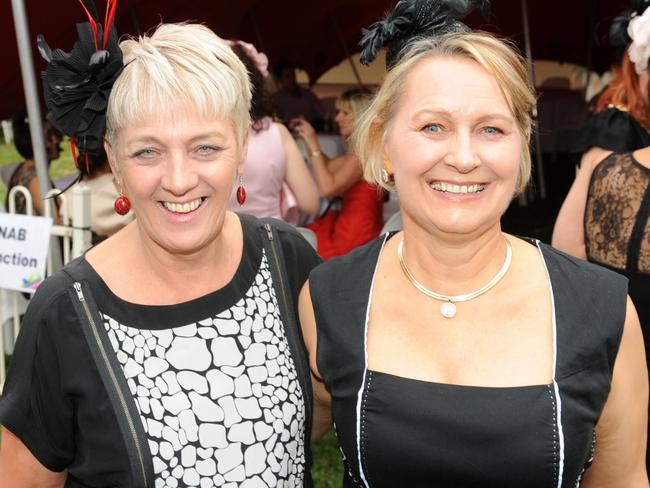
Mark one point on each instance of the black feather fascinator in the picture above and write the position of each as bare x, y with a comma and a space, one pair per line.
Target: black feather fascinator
411, 19
618, 36
77, 84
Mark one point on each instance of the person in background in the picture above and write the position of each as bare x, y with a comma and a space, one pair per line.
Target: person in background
451, 354
360, 217
622, 119
292, 101
25, 172
275, 172
169, 354
605, 217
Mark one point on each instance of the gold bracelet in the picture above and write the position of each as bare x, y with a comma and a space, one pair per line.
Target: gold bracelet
315, 154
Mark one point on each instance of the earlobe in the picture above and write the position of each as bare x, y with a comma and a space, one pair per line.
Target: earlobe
112, 163
244, 152
385, 160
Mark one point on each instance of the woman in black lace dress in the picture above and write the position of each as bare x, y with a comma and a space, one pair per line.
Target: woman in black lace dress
605, 216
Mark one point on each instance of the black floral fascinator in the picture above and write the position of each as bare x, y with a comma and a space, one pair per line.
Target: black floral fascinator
618, 34
77, 84
412, 19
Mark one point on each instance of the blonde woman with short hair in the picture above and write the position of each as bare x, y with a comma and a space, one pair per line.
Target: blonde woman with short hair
169, 354
354, 214
451, 354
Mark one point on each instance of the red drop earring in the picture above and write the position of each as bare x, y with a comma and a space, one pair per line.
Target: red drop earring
241, 192
122, 205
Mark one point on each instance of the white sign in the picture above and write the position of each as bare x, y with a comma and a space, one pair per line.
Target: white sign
24, 242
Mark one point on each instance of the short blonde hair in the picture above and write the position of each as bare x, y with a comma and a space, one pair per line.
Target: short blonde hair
497, 57
358, 99
179, 63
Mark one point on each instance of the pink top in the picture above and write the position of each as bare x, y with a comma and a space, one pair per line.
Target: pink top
264, 171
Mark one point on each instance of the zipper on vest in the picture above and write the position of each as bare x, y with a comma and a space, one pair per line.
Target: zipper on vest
116, 386
291, 331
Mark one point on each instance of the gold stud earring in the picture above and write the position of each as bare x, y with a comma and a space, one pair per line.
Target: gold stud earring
387, 178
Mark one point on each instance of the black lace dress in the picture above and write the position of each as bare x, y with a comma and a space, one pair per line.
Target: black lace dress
617, 228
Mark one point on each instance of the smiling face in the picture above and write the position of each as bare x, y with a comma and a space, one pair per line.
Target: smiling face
454, 147
178, 174
344, 118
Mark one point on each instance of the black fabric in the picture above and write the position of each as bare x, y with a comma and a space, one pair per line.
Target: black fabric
611, 129
54, 399
421, 434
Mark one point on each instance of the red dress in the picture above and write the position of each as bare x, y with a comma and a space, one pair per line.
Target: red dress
359, 220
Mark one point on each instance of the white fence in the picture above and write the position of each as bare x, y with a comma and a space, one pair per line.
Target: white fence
76, 238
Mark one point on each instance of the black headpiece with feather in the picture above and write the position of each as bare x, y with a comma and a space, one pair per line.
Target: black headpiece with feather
77, 84
618, 36
412, 19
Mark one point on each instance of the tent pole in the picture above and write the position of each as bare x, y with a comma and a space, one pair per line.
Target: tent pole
339, 35
35, 118
531, 74
31, 95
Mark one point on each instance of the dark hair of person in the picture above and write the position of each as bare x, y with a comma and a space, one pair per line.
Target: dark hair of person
279, 68
260, 103
624, 91
22, 136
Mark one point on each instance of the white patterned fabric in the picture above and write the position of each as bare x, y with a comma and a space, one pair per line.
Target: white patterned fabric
219, 399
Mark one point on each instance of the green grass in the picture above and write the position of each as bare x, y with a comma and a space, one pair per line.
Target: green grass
327, 469
63, 166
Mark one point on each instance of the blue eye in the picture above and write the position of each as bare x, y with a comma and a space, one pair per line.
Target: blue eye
147, 153
432, 128
206, 150
492, 130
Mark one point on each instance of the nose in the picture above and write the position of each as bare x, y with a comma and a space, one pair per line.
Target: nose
462, 155
180, 176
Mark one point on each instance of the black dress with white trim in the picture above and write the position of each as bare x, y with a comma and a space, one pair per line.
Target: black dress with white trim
397, 431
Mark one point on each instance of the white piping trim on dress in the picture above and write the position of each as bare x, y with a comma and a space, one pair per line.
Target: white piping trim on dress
365, 366
556, 388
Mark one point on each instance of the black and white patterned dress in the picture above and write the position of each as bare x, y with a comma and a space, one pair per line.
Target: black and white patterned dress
213, 381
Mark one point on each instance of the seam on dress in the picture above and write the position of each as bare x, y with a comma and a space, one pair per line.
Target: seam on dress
364, 435
592, 451
555, 440
365, 365
557, 414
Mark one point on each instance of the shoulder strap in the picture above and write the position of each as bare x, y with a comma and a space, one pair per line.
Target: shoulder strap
113, 379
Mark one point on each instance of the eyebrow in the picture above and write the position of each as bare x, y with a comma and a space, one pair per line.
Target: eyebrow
155, 140
446, 113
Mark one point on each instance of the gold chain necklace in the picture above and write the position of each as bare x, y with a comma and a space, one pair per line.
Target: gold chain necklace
448, 307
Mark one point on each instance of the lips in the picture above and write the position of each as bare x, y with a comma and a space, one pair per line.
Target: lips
457, 189
183, 208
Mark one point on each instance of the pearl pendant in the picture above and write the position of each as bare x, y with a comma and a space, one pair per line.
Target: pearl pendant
448, 310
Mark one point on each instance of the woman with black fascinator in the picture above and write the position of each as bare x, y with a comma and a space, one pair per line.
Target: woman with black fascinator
605, 217
451, 354
168, 355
